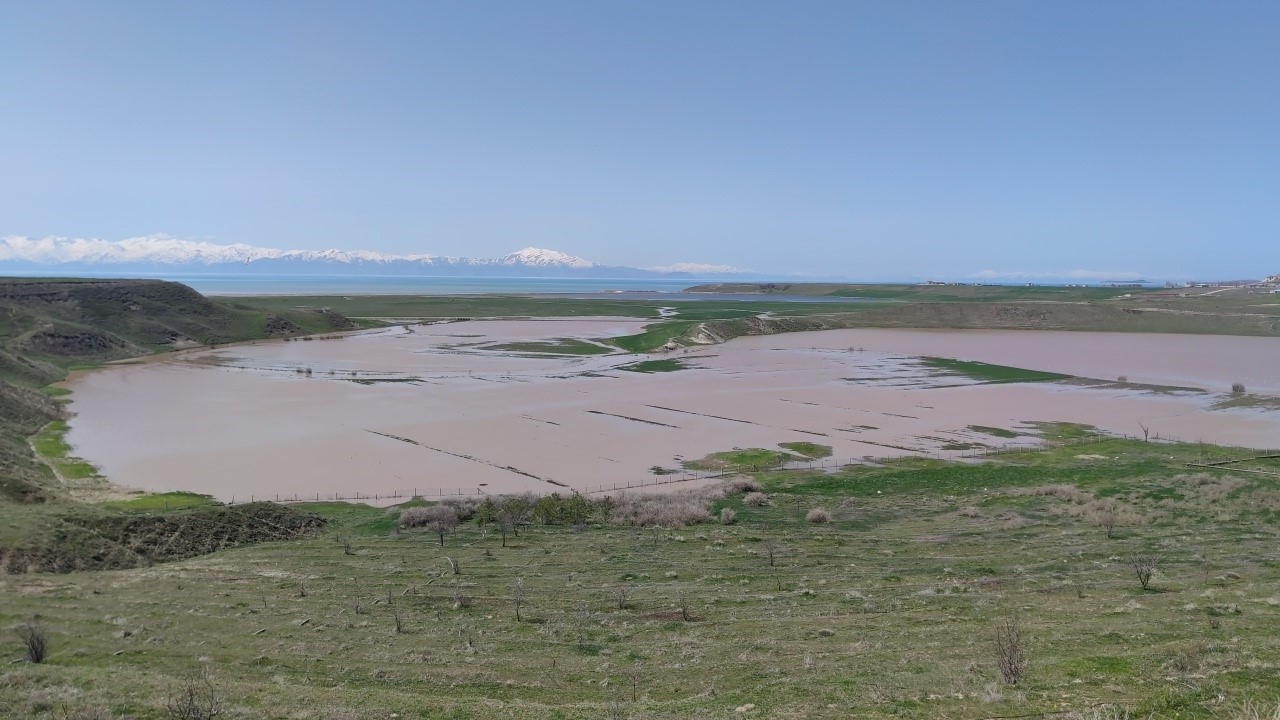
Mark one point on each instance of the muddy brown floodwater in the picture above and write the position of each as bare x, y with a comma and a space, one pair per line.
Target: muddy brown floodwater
437, 408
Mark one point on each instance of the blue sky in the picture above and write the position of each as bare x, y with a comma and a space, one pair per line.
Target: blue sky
875, 140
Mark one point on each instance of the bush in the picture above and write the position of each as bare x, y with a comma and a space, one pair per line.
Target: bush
1237, 389
464, 508
743, 485
439, 519
1144, 566
818, 515
35, 640
728, 516
755, 499
197, 699
685, 507
1011, 651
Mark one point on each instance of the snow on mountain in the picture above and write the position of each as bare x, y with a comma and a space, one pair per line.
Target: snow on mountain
151, 248
164, 253
537, 257
167, 250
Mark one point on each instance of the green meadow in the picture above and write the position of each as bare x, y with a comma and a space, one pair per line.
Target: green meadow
890, 607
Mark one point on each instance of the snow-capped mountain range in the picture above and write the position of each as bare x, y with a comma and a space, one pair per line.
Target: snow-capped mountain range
163, 252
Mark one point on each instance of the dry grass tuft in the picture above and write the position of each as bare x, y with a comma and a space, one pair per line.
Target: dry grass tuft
677, 509
818, 515
1061, 491
743, 485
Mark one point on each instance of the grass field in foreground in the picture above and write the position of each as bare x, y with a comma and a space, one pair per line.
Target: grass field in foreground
888, 610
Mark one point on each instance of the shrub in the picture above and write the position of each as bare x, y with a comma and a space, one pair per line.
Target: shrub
35, 640
464, 508
1144, 567
440, 519
677, 509
1108, 515
1011, 652
743, 485
818, 515
197, 699
728, 516
755, 499
1237, 388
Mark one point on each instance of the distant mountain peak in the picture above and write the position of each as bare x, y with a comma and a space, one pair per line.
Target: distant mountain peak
540, 257
165, 253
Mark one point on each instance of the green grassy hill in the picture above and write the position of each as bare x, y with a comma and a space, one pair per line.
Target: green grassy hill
885, 605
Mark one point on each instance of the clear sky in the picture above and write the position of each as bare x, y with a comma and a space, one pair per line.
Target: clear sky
879, 140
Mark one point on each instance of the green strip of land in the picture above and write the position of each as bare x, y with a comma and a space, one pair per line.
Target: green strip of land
988, 373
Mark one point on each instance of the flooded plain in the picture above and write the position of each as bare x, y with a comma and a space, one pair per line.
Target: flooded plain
481, 407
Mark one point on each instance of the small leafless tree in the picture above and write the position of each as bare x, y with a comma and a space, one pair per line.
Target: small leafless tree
399, 621
1146, 432
519, 595
35, 640
454, 566
621, 595
685, 605
1011, 651
1144, 566
634, 675
197, 699
346, 544
771, 548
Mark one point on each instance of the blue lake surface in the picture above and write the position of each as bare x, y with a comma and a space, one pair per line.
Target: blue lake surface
595, 288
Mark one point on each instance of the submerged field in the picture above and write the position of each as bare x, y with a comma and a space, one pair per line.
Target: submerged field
543, 405
889, 609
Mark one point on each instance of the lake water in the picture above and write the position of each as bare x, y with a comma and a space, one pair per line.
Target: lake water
435, 408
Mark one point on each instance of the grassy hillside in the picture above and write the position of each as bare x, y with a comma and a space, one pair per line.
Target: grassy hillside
50, 326
889, 606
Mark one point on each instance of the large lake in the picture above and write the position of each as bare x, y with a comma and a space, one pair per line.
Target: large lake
432, 407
